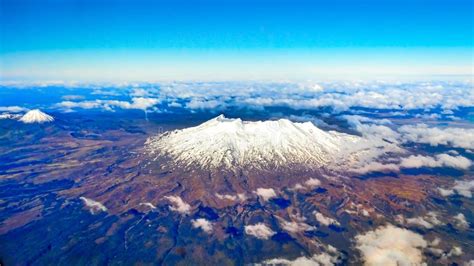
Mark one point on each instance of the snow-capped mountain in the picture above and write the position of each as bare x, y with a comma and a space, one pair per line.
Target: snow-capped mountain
36, 116
229, 143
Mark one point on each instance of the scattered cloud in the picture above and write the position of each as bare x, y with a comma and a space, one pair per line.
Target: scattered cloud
440, 160
328, 258
295, 227
416, 161
463, 188
13, 109
238, 196
325, 220
312, 183
140, 103
148, 204
370, 128
455, 251
204, 104
139, 92
72, 97
11, 116
93, 206
202, 223
460, 221
259, 230
434, 136
376, 167
308, 184
427, 221
178, 205
390, 245
266, 193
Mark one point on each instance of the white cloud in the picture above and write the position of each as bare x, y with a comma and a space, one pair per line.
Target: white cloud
376, 167
455, 137
148, 204
339, 96
455, 251
312, 183
140, 103
463, 188
469, 263
416, 161
266, 193
226, 196
10, 116
440, 160
13, 109
259, 230
139, 92
428, 221
202, 223
72, 97
390, 245
296, 227
419, 221
329, 258
325, 220
445, 192
94, 206
461, 221
204, 104
370, 127
178, 205
238, 196
308, 184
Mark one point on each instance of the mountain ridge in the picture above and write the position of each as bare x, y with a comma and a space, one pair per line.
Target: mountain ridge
230, 143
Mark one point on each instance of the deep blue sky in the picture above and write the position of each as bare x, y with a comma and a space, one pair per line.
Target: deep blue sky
50, 36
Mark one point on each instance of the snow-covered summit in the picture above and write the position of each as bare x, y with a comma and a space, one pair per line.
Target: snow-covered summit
229, 143
36, 116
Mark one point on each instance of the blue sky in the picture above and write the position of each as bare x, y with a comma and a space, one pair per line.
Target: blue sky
230, 39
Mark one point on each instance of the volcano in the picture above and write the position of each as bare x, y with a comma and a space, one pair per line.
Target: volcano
225, 143
36, 116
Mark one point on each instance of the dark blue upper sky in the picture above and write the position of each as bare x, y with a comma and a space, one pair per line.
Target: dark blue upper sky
57, 26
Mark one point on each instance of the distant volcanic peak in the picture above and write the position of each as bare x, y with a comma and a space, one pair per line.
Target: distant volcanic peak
36, 116
228, 143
